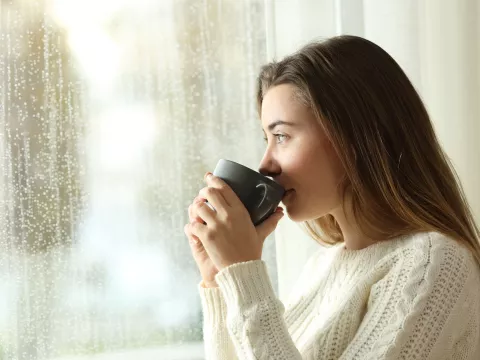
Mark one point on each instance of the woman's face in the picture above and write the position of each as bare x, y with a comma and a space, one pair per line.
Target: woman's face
299, 156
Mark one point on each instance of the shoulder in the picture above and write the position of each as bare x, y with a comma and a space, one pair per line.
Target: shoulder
435, 257
428, 271
434, 247
427, 297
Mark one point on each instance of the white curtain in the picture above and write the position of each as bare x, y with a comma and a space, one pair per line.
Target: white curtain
437, 43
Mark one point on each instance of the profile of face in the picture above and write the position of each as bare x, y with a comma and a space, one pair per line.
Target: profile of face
299, 156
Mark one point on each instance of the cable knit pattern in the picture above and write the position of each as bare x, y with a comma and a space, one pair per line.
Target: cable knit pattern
415, 297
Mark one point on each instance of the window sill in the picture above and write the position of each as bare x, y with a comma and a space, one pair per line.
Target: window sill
188, 351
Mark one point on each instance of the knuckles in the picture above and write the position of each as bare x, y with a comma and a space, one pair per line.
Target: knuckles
208, 191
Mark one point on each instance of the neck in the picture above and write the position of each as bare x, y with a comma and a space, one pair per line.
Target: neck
353, 237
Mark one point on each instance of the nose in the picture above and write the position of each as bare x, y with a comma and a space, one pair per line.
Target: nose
268, 166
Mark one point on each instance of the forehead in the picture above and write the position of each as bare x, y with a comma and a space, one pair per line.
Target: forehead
279, 95
281, 103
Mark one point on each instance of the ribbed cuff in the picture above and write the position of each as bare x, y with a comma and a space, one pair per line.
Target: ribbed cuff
245, 283
213, 305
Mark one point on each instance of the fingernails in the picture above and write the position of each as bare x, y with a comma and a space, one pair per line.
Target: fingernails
207, 176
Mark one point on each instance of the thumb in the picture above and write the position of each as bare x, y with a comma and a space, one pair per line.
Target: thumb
267, 227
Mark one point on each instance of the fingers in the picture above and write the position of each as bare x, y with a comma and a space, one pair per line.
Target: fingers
201, 210
229, 196
214, 198
193, 216
205, 212
196, 229
270, 224
193, 240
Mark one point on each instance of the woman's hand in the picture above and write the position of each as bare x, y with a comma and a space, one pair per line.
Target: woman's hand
207, 269
227, 233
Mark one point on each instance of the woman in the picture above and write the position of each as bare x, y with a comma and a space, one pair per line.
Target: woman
349, 137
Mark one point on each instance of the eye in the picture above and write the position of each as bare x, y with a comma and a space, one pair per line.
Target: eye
278, 137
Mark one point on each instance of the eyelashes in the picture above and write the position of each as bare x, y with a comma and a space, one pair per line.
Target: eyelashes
277, 136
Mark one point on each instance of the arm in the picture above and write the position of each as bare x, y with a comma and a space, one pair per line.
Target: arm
254, 314
218, 342
218, 345
253, 327
429, 312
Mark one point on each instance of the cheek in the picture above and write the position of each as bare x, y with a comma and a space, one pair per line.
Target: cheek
299, 165
314, 167
325, 172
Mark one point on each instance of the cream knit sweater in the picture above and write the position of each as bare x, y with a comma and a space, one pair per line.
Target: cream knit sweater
415, 297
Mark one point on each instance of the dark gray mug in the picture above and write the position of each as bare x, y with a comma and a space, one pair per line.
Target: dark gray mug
260, 194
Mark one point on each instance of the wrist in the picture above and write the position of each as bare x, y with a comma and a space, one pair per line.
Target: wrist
209, 284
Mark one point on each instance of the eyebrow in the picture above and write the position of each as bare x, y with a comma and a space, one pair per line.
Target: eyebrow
278, 123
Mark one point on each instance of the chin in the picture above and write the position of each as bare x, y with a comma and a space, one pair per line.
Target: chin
298, 218
298, 213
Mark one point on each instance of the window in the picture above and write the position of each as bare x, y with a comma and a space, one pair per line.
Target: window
111, 112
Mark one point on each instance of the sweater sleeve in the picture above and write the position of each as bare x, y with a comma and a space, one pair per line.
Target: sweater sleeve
254, 316
426, 307
261, 303
217, 342
243, 318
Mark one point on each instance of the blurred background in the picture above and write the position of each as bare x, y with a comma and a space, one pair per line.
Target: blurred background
111, 111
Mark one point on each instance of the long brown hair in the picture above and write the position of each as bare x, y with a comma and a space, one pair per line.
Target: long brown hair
399, 179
